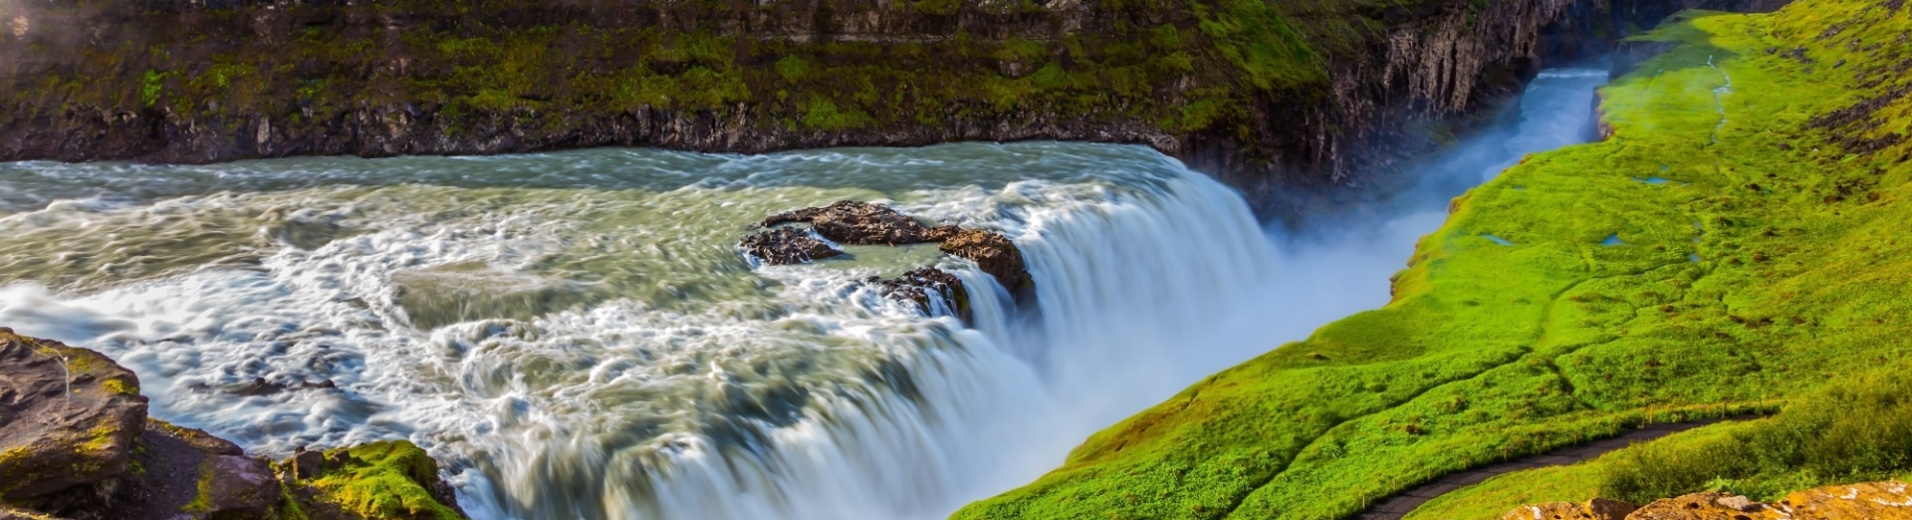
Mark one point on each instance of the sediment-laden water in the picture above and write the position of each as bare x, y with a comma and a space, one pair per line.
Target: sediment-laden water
577, 336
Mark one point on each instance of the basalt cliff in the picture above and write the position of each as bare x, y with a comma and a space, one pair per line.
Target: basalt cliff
1277, 98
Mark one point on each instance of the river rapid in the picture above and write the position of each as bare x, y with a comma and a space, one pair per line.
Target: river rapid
576, 335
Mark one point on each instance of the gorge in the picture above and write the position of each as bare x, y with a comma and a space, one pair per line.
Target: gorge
598, 333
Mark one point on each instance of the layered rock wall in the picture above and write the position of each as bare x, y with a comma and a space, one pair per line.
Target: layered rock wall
1278, 98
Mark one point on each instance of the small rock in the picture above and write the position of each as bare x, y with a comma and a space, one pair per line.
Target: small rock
786, 246
859, 223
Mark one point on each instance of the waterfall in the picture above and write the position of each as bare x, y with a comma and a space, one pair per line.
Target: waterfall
573, 335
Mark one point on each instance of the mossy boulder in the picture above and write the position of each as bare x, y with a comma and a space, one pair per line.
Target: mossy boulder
68, 417
382, 480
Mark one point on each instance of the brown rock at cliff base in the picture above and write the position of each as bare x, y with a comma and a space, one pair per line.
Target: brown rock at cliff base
786, 246
1596, 509
68, 416
859, 223
918, 284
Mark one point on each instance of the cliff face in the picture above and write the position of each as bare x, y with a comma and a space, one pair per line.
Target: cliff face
1269, 96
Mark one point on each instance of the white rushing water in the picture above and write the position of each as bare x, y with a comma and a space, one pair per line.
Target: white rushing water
574, 335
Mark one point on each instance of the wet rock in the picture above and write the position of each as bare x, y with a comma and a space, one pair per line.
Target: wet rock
863, 223
1596, 509
786, 246
860, 223
68, 416
918, 285
993, 252
260, 386
237, 487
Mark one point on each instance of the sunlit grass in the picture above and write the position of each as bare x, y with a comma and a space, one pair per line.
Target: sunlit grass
1490, 352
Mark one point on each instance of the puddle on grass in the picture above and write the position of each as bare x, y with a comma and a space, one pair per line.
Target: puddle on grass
1651, 180
1498, 240
1612, 240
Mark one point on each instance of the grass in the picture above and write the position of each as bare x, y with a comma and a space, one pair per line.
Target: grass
1492, 352
1856, 430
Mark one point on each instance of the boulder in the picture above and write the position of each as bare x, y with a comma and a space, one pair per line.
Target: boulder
859, 223
1873, 500
863, 223
68, 417
786, 245
1596, 509
918, 284
993, 252
1888, 500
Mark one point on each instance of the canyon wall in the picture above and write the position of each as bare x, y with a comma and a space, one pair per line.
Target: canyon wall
1282, 99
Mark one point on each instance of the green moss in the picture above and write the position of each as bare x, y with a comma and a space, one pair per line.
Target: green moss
386, 479
1490, 352
202, 501
120, 386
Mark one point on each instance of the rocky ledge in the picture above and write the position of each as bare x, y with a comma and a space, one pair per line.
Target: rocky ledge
862, 223
1874, 501
75, 442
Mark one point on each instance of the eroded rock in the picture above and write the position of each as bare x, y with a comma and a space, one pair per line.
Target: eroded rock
1596, 509
918, 285
860, 223
993, 252
1888, 500
864, 223
68, 417
786, 246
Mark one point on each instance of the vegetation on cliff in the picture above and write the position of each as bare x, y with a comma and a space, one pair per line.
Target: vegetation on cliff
1243, 88
1735, 245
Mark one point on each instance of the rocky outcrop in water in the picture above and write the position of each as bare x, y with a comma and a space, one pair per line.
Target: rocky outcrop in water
863, 223
1282, 99
1872, 501
75, 443
786, 246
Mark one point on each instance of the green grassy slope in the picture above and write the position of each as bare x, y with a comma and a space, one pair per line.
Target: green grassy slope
1761, 253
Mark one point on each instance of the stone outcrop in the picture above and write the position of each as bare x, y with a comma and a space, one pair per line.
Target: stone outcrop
75, 443
68, 416
918, 285
1872, 501
1596, 509
786, 246
863, 223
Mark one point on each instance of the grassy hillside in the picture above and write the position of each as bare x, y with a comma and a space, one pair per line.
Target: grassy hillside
1738, 243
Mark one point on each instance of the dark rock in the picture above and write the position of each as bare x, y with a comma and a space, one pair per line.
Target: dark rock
994, 253
786, 246
860, 223
239, 487
919, 285
68, 416
863, 223
260, 386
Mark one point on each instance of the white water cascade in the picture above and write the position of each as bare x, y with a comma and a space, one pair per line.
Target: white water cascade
575, 336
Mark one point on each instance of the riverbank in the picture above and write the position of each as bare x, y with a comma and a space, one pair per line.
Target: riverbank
1732, 244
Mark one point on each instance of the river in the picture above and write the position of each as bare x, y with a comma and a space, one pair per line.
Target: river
576, 335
